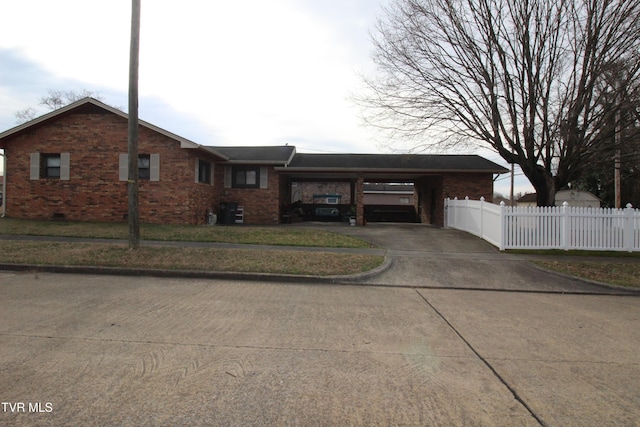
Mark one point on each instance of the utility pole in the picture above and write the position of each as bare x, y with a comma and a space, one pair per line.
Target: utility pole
512, 202
132, 182
617, 182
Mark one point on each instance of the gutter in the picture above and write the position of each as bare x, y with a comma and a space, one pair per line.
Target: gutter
386, 170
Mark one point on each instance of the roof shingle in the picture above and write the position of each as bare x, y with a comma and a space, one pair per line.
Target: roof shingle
416, 162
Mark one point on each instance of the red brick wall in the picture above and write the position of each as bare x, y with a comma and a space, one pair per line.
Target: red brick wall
434, 189
473, 185
93, 191
261, 205
308, 189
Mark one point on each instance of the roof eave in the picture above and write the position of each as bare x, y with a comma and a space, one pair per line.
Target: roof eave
190, 145
258, 162
52, 114
290, 159
389, 170
184, 143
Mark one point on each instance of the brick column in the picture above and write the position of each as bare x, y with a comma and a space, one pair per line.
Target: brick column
360, 200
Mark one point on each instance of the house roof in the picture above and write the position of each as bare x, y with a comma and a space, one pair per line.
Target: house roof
278, 155
89, 105
384, 167
528, 198
285, 158
576, 195
395, 162
562, 195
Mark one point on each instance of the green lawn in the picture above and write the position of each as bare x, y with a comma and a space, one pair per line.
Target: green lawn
276, 235
184, 258
601, 266
619, 274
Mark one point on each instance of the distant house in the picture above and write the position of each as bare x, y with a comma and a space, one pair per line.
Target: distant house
389, 194
339, 192
72, 164
574, 198
390, 202
577, 199
528, 199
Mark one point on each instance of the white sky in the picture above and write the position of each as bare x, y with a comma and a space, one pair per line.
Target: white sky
256, 72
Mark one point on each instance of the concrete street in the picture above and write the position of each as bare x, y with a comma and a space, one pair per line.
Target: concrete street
454, 333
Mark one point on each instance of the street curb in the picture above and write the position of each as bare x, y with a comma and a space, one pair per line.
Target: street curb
198, 274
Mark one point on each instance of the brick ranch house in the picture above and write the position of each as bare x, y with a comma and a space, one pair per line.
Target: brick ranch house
72, 164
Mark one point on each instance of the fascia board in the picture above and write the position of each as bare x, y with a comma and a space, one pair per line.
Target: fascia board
257, 162
388, 170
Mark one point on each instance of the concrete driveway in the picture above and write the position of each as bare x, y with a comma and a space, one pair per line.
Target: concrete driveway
430, 257
104, 350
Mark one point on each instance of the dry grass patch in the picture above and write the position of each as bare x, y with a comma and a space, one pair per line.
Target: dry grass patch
182, 258
619, 274
276, 235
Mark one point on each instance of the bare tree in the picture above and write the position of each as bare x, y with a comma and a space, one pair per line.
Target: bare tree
54, 100
622, 134
59, 98
518, 76
25, 115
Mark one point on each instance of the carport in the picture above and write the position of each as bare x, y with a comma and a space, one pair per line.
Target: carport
435, 177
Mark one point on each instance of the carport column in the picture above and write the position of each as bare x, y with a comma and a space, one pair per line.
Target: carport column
360, 200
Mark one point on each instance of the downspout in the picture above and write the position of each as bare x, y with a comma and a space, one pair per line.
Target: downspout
4, 185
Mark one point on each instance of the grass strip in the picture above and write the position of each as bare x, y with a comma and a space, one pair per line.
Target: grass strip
182, 258
574, 253
276, 235
619, 274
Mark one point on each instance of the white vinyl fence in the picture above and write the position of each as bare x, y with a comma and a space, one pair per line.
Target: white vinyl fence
546, 227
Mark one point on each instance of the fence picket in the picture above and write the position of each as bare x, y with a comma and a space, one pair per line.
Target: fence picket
546, 227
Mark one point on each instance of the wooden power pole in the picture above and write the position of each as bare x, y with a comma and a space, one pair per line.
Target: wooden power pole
132, 181
616, 176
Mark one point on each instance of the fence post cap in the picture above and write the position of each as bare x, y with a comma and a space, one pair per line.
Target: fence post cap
466, 198
565, 204
502, 203
482, 198
629, 206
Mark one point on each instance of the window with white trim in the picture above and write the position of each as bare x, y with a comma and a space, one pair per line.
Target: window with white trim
246, 177
49, 166
203, 172
144, 166
148, 167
